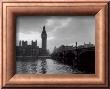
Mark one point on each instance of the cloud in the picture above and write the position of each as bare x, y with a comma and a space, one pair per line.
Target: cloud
50, 22
50, 38
55, 24
28, 24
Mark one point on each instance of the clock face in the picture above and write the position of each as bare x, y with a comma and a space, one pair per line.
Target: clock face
43, 35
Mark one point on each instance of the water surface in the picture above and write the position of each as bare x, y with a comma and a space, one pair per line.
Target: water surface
43, 66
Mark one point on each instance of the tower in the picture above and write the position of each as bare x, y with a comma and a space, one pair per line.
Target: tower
20, 43
44, 40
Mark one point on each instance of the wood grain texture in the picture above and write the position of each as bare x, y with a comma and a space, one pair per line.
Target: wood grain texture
1, 45
13, 8
80, 1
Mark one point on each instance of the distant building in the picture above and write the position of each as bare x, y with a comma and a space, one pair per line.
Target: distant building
23, 49
77, 49
63, 48
86, 45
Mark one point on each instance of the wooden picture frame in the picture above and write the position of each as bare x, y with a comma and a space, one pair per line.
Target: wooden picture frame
9, 9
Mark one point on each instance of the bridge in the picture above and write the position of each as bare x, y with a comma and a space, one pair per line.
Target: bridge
83, 50
44, 57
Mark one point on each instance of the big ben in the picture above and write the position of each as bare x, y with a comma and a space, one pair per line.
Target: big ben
44, 40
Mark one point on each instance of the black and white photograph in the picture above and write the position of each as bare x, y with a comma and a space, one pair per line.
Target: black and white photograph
55, 45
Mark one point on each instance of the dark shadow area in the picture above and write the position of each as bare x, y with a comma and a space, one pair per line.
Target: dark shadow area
86, 62
81, 58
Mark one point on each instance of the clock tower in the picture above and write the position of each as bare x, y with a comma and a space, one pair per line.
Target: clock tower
44, 40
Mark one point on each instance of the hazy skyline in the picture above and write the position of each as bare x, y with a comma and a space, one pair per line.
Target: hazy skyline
60, 29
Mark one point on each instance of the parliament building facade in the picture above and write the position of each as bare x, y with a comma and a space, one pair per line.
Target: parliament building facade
23, 49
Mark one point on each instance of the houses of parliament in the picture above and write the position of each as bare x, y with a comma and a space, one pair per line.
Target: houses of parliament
24, 49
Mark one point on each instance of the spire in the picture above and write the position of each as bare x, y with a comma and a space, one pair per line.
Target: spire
44, 29
20, 43
44, 34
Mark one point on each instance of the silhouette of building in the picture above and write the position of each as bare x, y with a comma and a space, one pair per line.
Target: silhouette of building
85, 45
24, 49
44, 42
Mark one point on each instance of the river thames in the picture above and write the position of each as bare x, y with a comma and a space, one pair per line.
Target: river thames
43, 66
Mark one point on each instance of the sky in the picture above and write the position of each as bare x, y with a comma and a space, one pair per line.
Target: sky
61, 30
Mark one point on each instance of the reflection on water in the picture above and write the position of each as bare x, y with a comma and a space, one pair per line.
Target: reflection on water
43, 66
